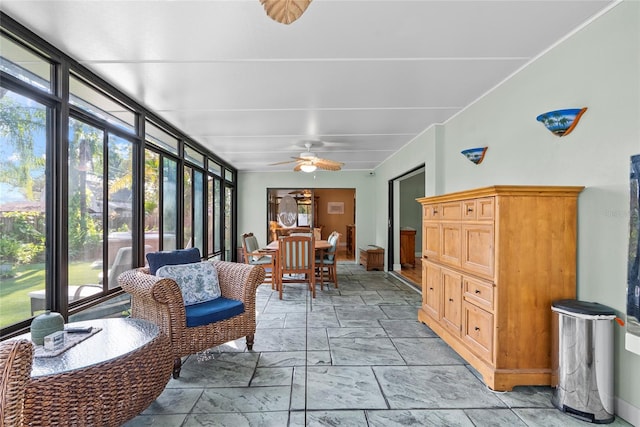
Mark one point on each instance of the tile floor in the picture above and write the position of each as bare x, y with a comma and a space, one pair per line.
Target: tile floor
354, 356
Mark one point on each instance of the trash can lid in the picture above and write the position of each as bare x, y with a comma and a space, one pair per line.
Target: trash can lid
583, 308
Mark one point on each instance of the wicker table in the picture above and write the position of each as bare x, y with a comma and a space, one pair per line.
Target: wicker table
104, 380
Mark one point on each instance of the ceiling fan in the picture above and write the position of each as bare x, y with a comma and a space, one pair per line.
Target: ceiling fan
309, 162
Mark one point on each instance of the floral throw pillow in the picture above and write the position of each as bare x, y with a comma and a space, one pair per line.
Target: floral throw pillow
198, 282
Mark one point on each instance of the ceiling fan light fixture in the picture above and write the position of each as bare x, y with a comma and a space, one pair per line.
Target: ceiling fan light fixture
308, 168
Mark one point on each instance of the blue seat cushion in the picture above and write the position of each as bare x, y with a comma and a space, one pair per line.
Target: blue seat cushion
213, 311
180, 256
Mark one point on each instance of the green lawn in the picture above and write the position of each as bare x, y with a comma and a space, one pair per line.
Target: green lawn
15, 304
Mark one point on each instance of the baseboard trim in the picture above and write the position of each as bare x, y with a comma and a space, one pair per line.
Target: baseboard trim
627, 412
408, 283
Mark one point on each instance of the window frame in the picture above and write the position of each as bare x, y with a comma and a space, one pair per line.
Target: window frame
60, 112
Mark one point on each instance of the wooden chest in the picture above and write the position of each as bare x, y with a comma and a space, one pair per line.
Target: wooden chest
372, 258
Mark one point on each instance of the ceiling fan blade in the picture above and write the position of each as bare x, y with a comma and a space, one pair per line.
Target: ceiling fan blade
297, 168
285, 12
285, 162
327, 164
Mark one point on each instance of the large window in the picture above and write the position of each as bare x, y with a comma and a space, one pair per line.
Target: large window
160, 202
24, 142
85, 204
169, 204
90, 180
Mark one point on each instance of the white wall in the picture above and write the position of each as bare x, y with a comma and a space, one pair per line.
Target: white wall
599, 68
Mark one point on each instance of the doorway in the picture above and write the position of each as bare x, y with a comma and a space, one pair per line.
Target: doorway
405, 224
326, 209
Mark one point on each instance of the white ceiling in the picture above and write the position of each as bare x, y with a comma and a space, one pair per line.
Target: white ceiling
363, 76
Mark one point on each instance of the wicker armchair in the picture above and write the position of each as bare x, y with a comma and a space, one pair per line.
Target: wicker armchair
159, 300
16, 357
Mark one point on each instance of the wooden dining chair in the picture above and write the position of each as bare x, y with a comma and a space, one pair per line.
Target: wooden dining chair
328, 260
254, 255
296, 262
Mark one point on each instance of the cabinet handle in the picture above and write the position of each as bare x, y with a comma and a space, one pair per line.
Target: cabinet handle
450, 299
430, 289
434, 211
477, 291
469, 209
477, 328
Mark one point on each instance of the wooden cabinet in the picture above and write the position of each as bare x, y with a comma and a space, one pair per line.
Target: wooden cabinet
408, 247
351, 238
494, 259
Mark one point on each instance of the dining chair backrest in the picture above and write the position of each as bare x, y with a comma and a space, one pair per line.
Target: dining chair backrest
296, 254
250, 242
302, 234
333, 240
254, 255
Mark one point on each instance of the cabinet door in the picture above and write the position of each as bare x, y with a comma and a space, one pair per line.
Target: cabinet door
452, 300
451, 244
431, 289
430, 240
477, 249
477, 331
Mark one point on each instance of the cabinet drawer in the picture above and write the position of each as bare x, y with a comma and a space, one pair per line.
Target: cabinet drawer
478, 292
447, 211
469, 210
430, 212
478, 209
477, 330
451, 211
485, 208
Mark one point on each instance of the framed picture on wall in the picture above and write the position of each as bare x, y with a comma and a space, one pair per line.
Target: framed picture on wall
335, 208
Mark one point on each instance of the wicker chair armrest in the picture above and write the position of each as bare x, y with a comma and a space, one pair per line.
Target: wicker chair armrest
16, 357
239, 281
140, 283
152, 291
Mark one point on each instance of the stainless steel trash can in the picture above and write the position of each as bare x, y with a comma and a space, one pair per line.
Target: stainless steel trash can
582, 368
